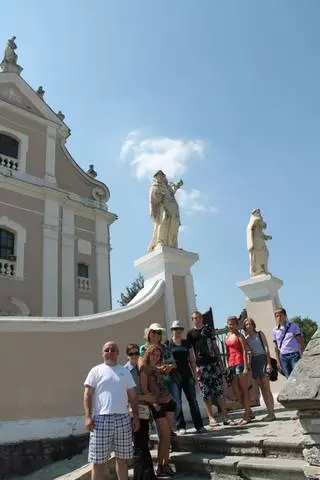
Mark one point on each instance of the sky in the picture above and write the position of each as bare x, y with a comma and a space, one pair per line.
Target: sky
223, 94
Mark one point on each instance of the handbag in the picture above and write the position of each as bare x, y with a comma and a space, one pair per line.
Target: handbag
144, 411
273, 375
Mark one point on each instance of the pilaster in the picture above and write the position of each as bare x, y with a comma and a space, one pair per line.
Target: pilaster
68, 263
103, 264
50, 175
50, 258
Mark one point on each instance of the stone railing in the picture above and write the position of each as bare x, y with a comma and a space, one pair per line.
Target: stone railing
9, 164
7, 268
84, 284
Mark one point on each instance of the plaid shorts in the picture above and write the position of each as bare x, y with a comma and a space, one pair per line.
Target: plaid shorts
112, 433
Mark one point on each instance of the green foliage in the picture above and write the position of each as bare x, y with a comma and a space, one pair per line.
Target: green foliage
132, 291
308, 327
243, 315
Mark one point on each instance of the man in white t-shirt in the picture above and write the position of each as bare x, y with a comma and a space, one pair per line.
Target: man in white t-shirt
108, 388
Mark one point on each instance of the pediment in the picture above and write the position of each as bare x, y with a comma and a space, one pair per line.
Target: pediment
11, 94
17, 92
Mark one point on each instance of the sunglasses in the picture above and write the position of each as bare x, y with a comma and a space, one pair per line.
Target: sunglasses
133, 354
110, 350
158, 332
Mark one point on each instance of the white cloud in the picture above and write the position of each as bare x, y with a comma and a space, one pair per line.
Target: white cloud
128, 144
148, 155
194, 201
197, 207
184, 197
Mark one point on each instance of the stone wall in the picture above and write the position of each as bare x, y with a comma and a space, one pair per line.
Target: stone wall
25, 457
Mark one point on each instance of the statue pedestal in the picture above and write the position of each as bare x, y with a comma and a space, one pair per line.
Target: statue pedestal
261, 300
172, 265
7, 67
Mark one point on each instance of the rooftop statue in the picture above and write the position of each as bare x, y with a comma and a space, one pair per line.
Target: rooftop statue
10, 60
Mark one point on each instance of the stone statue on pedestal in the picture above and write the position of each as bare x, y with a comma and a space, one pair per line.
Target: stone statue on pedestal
10, 59
164, 211
256, 244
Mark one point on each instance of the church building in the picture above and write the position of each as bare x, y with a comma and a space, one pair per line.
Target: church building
54, 218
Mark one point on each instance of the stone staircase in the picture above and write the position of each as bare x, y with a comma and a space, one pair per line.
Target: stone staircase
257, 451
235, 467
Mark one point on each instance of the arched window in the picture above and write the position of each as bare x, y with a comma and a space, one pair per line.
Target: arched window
7, 239
9, 146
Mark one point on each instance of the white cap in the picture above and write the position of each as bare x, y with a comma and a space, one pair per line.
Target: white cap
176, 325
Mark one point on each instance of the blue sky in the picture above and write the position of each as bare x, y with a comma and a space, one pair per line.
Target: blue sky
224, 94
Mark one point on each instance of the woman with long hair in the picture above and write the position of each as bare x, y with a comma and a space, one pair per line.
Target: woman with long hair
152, 383
237, 357
260, 363
154, 335
142, 461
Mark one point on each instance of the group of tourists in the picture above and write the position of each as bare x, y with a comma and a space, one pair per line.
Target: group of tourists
157, 373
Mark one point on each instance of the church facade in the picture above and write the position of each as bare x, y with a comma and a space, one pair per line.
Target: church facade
54, 218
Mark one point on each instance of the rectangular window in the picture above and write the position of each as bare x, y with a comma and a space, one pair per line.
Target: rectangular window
6, 244
83, 270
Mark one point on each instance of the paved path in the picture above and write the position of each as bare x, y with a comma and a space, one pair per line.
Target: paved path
283, 428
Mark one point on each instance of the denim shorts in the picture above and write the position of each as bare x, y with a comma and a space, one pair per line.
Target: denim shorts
165, 407
237, 369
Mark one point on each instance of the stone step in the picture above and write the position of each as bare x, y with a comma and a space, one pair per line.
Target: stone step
220, 467
227, 444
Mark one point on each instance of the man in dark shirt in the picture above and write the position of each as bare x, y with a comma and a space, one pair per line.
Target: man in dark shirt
186, 369
209, 367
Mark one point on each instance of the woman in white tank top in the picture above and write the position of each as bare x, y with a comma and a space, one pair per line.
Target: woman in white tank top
260, 364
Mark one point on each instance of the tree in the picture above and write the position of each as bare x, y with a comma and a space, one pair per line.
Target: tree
308, 327
243, 315
132, 291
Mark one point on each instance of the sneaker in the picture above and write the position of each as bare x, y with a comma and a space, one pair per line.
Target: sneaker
182, 431
201, 430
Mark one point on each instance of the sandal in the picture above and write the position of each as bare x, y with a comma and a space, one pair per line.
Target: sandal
230, 422
244, 422
160, 473
269, 418
167, 470
213, 424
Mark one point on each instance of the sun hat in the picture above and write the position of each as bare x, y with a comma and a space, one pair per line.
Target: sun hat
176, 325
153, 326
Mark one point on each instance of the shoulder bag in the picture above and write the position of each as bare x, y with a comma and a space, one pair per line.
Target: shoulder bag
273, 375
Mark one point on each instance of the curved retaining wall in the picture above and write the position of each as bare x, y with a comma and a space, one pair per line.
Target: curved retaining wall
44, 362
